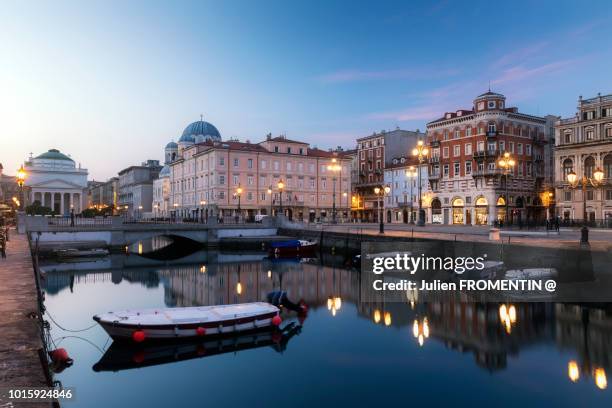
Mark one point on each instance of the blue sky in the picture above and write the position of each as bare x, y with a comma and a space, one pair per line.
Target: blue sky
112, 82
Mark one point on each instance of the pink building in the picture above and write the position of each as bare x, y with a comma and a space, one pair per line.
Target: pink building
212, 178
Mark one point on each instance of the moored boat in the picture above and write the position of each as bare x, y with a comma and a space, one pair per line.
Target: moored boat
294, 247
81, 253
186, 322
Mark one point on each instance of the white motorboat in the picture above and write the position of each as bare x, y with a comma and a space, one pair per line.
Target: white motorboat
185, 322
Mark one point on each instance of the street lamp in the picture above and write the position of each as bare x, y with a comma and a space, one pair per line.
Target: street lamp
381, 192
21, 177
507, 164
238, 194
140, 212
281, 186
270, 194
335, 168
410, 174
202, 204
595, 181
421, 152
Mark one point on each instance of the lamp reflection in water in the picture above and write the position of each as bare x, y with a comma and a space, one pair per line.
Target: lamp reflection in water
203, 268
420, 330
377, 316
413, 297
334, 304
507, 315
599, 374
269, 274
387, 318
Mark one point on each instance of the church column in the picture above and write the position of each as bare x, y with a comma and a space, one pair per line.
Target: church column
72, 206
61, 203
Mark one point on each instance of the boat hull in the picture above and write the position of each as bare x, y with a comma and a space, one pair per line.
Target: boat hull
123, 329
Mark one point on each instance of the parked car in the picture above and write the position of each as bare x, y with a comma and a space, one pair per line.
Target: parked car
260, 217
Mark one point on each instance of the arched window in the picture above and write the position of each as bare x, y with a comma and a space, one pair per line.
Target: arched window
481, 201
568, 166
492, 127
589, 166
607, 164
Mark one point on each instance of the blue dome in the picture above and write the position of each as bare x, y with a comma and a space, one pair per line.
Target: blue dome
200, 128
171, 145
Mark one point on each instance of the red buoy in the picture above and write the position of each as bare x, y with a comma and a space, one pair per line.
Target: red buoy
59, 355
138, 336
276, 320
200, 331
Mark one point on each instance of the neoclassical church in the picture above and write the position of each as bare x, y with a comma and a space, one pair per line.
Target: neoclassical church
56, 182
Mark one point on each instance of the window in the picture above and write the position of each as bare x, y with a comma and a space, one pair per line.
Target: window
468, 149
589, 195
468, 131
589, 115
456, 150
491, 127
457, 134
250, 180
446, 135
519, 148
520, 168
221, 161
301, 150
607, 167
480, 146
275, 149
491, 146
221, 180
606, 112
235, 179
567, 195
608, 194
528, 150
568, 166
263, 164
502, 146
589, 166
468, 167
590, 134
511, 144
608, 131
289, 150
568, 137
445, 152
250, 163
311, 167
445, 170
288, 166
276, 165
529, 169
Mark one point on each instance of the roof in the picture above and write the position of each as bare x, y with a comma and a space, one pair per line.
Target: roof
283, 139
54, 154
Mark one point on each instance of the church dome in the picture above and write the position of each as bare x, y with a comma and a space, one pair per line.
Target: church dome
54, 154
201, 128
172, 145
164, 172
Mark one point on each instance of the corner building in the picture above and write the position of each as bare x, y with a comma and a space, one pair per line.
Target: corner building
468, 186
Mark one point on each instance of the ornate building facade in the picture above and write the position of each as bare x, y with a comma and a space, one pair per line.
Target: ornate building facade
222, 179
583, 144
468, 186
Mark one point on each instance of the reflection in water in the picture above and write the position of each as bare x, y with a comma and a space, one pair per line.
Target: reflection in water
495, 334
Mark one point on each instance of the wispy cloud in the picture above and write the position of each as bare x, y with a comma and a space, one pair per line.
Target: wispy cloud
378, 75
522, 73
520, 54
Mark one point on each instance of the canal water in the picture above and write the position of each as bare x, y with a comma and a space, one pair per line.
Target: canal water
342, 353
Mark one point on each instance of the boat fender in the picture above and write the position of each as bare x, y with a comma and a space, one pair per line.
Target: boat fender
276, 320
200, 331
59, 355
138, 336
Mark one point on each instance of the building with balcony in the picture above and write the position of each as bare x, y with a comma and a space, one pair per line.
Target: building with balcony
467, 184
583, 143
232, 178
55, 182
372, 158
402, 203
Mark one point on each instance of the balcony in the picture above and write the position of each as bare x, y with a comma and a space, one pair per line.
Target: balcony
434, 143
492, 134
434, 160
487, 173
434, 176
485, 154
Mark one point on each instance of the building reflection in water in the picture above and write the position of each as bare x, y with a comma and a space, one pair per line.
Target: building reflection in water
490, 331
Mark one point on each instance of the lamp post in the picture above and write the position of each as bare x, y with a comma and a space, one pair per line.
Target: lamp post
595, 181
281, 186
507, 164
381, 192
238, 194
21, 177
139, 212
155, 207
335, 168
202, 204
270, 194
175, 205
411, 173
421, 152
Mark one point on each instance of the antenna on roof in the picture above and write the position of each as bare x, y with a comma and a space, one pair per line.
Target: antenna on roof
489, 85
201, 117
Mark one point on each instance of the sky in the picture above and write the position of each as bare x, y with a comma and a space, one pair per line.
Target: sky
111, 82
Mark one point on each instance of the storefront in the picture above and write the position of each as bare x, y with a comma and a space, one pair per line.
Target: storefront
458, 205
436, 211
482, 211
501, 209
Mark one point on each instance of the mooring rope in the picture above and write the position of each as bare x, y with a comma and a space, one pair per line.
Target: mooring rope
60, 339
68, 330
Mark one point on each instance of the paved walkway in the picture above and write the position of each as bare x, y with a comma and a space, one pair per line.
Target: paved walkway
20, 340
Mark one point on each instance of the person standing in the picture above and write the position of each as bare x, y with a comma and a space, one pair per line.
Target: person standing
2, 245
72, 217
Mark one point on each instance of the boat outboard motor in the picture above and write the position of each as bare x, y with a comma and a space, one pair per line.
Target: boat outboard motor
279, 298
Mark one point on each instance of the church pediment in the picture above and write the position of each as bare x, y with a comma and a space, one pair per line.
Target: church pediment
56, 183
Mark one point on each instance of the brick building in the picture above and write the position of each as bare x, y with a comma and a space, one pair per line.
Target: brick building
468, 186
372, 158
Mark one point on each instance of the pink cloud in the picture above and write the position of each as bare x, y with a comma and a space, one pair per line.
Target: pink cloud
521, 73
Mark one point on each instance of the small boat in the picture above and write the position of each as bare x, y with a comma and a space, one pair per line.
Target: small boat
81, 253
490, 270
186, 322
294, 247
